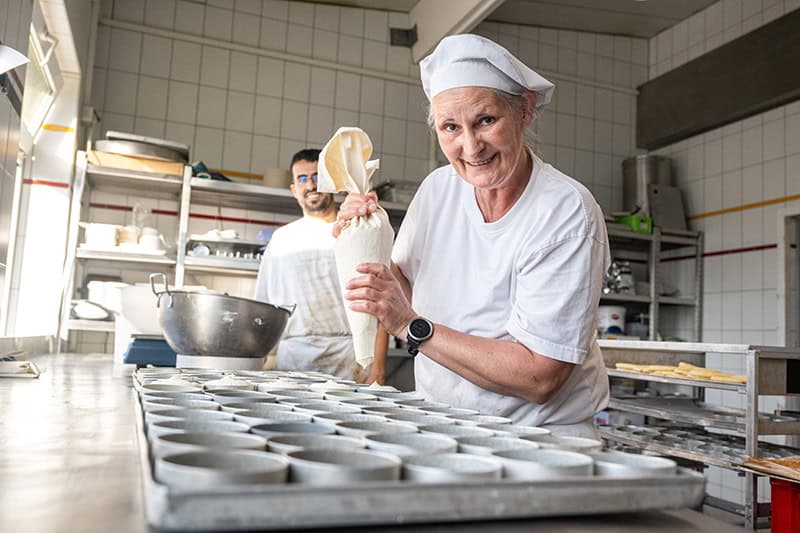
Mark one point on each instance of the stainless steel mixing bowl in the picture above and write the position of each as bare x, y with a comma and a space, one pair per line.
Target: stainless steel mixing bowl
208, 324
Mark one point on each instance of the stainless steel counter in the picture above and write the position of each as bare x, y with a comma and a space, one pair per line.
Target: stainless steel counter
68, 461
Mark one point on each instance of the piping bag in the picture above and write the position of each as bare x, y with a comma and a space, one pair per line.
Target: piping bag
344, 166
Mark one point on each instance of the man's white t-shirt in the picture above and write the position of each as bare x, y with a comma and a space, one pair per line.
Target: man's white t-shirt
298, 267
535, 276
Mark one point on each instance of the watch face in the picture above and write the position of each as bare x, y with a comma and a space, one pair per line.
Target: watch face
419, 328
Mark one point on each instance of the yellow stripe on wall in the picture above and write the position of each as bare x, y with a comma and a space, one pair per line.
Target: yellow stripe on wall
58, 127
745, 207
236, 174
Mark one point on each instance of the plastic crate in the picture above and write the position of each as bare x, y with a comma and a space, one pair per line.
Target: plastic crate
784, 506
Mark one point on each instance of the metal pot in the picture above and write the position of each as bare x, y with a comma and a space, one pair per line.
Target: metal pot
207, 324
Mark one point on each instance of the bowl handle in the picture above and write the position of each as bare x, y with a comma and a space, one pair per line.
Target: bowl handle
163, 278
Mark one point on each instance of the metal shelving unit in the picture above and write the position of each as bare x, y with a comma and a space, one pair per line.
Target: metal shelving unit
662, 239
770, 370
90, 177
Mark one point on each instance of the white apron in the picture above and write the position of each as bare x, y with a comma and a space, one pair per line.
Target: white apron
298, 268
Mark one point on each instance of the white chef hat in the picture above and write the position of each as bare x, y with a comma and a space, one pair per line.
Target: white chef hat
473, 61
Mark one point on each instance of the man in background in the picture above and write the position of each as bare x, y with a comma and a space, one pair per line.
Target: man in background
298, 267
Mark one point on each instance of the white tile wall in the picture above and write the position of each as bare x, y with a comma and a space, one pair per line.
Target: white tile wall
205, 93
587, 130
739, 164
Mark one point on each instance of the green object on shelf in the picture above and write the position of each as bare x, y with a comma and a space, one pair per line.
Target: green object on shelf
637, 223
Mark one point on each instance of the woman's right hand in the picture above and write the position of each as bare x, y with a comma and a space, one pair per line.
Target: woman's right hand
355, 205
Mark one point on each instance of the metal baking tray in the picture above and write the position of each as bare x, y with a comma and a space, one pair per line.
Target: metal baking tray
691, 411
691, 443
290, 506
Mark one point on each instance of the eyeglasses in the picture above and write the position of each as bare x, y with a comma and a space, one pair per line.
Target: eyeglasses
303, 178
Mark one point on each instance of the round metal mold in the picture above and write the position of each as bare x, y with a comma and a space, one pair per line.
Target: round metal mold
305, 395
388, 410
211, 469
194, 426
456, 431
366, 404
277, 387
544, 464
164, 387
449, 411
420, 403
155, 396
339, 467
341, 395
292, 443
474, 420
235, 396
325, 406
393, 396
257, 418
615, 464
211, 388
165, 405
283, 428
193, 442
252, 404
407, 444
202, 375
362, 429
645, 433
331, 419
574, 444
444, 467
524, 432
330, 385
419, 418
151, 417
496, 443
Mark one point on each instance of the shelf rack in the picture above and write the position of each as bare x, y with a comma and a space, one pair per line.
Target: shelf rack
770, 370
662, 239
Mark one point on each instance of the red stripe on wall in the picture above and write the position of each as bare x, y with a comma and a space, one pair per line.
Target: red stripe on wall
166, 212
725, 252
46, 183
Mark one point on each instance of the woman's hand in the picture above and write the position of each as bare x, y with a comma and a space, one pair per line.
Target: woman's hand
376, 291
355, 205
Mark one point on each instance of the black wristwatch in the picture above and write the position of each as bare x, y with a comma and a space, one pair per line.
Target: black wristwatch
419, 330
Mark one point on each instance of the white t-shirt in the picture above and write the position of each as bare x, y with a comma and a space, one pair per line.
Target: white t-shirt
535, 276
298, 267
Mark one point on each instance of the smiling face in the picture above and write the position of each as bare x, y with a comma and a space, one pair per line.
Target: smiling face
481, 135
304, 189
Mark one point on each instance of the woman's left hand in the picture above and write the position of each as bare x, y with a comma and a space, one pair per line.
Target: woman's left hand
376, 291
